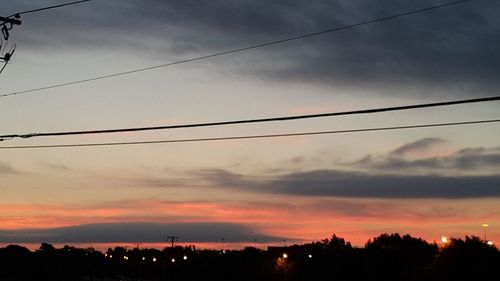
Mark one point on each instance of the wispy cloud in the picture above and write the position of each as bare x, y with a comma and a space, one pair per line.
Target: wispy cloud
417, 146
469, 160
6, 168
56, 166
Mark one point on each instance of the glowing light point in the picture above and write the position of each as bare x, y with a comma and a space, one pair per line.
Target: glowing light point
485, 226
154, 259
173, 260
310, 256
143, 258
185, 257
125, 258
444, 239
490, 243
285, 255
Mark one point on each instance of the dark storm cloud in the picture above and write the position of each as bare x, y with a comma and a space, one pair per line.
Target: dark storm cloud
448, 50
133, 232
337, 183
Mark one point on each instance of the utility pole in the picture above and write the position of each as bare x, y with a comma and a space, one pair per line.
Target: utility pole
172, 239
7, 24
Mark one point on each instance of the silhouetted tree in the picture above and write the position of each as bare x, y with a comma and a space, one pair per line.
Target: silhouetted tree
392, 257
386, 257
337, 243
469, 259
330, 259
13, 261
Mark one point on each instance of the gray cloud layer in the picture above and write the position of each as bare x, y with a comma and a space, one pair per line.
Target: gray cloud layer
134, 232
405, 172
448, 50
337, 183
466, 173
469, 160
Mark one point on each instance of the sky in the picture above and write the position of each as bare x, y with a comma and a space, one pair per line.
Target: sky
426, 182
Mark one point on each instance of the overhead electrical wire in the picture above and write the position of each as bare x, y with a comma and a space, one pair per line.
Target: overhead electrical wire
7, 24
252, 136
251, 121
49, 8
18, 14
239, 50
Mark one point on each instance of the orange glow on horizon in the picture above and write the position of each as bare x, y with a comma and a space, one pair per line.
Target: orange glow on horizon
299, 220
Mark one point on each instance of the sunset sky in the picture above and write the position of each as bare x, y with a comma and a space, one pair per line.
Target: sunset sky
425, 182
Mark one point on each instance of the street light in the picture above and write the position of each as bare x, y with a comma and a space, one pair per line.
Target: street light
154, 259
285, 255
185, 257
444, 239
485, 226
310, 256
173, 260
490, 243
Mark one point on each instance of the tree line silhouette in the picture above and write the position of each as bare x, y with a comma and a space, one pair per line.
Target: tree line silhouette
386, 257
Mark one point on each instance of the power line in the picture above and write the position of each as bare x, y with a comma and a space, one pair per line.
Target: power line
7, 23
14, 18
243, 49
250, 121
252, 136
49, 8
